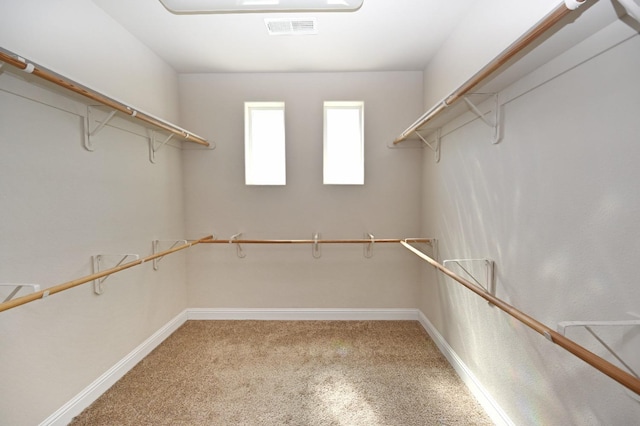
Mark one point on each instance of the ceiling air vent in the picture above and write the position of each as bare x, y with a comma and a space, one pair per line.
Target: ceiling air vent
291, 26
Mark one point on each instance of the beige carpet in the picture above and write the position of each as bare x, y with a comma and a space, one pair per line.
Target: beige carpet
290, 373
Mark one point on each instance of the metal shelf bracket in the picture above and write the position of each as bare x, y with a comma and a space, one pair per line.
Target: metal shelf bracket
436, 144
88, 120
315, 248
18, 287
155, 249
239, 251
562, 329
154, 146
368, 248
495, 123
98, 261
489, 277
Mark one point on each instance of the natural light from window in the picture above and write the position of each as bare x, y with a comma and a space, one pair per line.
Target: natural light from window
264, 143
343, 143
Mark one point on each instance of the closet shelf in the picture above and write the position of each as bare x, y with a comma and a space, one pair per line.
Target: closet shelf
30, 67
510, 52
624, 378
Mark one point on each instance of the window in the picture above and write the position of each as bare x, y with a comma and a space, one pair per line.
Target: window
343, 143
264, 149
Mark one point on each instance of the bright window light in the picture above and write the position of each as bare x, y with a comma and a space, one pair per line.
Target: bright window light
344, 143
264, 147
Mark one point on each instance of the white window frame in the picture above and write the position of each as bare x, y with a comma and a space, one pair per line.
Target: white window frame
334, 169
255, 164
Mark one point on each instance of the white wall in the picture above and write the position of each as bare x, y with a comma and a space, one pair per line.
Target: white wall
488, 28
61, 204
78, 40
218, 201
556, 205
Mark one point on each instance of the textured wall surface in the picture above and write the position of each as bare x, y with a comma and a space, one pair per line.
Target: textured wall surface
556, 205
61, 204
218, 201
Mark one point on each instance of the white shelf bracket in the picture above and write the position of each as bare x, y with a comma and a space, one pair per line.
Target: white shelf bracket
88, 131
154, 147
489, 276
315, 248
368, 247
562, 328
495, 123
18, 287
433, 242
435, 147
98, 261
155, 249
239, 251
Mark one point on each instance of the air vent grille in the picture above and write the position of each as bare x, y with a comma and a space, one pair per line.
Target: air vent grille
307, 26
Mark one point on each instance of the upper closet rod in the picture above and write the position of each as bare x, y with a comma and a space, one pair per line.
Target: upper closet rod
353, 241
540, 28
619, 375
70, 284
31, 68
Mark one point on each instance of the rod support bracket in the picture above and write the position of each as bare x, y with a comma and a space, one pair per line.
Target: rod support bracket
495, 123
433, 146
368, 247
155, 244
155, 146
239, 251
489, 276
18, 287
90, 132
588, 326
97, 262
315, 248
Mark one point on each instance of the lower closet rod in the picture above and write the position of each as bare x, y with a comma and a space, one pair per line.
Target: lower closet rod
587, 356
70, 284
354, 241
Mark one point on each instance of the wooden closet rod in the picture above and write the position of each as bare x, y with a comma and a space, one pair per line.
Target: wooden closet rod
70, 284
590, 358
523, 42
31, 68
353, 241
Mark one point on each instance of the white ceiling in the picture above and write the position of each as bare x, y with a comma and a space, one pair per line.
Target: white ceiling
384, 35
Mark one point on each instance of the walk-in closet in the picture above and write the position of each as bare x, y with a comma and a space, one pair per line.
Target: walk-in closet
358, 212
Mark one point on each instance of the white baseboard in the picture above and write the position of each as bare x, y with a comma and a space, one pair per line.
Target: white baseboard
68, 411
491, 407
302, 314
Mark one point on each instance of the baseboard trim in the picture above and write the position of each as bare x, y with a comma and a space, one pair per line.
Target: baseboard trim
491, 407
302, 314
75, 406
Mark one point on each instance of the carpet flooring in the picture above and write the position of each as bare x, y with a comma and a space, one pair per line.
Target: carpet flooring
290, 373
